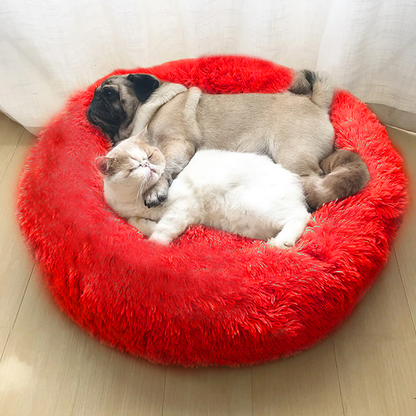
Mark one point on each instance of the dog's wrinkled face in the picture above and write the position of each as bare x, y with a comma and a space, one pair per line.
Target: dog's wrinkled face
116, 100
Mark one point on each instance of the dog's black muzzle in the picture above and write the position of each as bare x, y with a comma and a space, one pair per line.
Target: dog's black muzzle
102, 113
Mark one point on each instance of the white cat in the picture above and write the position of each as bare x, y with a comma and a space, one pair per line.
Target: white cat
242, 193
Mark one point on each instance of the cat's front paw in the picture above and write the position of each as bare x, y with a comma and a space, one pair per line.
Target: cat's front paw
156, 194
160, 238
281, 242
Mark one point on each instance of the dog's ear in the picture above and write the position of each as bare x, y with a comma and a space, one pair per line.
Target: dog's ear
144, 85
103, 164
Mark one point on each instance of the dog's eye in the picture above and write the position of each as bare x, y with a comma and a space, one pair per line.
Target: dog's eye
110, 93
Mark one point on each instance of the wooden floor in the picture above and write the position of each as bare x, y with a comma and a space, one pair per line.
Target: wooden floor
49, 366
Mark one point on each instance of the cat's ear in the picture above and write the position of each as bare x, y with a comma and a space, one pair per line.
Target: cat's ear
141, 135
103, 165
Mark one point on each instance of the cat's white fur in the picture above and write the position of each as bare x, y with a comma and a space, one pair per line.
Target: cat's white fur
242, 193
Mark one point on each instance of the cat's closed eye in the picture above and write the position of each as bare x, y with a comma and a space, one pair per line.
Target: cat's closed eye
135, 164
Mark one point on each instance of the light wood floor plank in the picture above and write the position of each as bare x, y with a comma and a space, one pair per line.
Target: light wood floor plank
112, 383
377, 375
405, 245
4, 334
208, 391
383, 311
306, 384
38, 309
39, 372
15, 262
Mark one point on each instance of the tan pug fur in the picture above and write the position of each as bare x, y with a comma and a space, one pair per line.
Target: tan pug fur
293, 129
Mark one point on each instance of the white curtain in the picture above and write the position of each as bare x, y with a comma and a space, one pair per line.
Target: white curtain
51, 48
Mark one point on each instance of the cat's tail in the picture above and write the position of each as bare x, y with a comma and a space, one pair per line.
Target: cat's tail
314, 84
344, 174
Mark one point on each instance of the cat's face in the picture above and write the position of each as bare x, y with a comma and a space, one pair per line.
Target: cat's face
132, 164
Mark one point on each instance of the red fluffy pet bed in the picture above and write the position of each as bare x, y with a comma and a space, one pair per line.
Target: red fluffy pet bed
211, 298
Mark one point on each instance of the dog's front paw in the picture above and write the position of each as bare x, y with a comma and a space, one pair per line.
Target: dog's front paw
157, 194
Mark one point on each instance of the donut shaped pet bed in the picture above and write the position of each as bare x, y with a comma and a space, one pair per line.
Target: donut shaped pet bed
210, 298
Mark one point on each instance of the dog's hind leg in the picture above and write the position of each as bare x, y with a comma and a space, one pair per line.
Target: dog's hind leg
344, 174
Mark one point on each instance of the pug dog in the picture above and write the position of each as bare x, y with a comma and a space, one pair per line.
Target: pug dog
293, 128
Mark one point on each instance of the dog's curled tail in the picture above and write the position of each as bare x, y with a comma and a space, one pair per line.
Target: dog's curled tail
314, 84
345, 174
